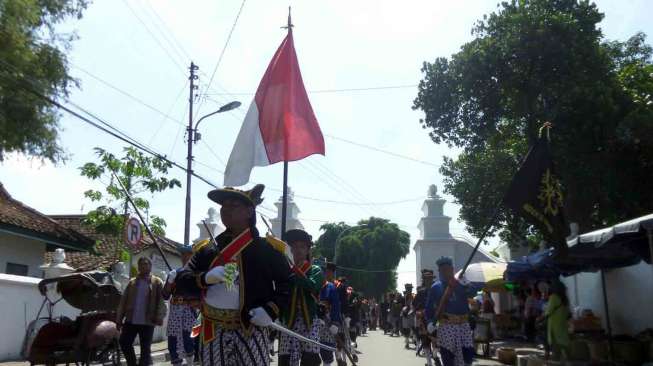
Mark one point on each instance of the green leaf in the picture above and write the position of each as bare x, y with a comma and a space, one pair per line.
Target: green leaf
93, 195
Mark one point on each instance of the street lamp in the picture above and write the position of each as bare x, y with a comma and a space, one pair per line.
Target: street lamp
193, 137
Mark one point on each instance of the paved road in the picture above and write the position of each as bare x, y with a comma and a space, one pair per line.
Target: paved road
381, 350
378, 350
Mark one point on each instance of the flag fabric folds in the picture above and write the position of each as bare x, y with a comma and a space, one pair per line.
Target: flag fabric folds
535, 193
280, 124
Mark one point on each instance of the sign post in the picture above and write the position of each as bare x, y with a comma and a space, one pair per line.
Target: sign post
133, 237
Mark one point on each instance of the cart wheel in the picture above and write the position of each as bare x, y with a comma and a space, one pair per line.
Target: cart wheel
115, 354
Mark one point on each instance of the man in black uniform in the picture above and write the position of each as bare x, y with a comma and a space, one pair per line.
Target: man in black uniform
244, 280
419, 304
383, 313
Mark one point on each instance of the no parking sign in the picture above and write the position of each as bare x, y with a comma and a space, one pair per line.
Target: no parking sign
133, 232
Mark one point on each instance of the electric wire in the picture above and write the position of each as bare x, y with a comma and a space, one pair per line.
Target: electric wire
176, 45
129, 95
334, 187
381, 150
126, 2
100, 124
344, 90
224, 48
174, 104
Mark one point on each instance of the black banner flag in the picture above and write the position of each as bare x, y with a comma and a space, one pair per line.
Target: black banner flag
535, 193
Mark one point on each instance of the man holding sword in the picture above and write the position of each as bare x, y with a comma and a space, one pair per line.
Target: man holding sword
244, 280
452, 316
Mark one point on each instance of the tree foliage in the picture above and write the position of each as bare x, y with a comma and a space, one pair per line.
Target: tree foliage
373, 247
139, 174
33, 54
534, 61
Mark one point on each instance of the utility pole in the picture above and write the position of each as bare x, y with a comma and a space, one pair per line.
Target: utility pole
189, 157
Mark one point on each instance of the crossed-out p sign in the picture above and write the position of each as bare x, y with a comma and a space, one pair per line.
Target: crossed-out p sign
133, 232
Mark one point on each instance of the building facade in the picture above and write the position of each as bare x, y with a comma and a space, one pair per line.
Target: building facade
435, 238
292, 212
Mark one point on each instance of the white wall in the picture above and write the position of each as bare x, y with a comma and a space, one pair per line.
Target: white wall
630, 295
20, 301
21, 250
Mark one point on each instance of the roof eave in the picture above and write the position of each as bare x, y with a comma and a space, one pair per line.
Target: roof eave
47, 239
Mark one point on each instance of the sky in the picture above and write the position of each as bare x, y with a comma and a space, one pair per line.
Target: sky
139, 50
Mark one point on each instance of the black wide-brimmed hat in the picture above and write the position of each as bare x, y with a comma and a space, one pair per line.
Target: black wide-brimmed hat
296, 235
444, 261
251, 198
427, 273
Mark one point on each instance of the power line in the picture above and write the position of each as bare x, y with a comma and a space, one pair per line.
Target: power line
346, 184
175, 42
215, 69
364, 146
108, 128
364, 202
323, 91
134, 98
174, 143
381, 151
174, 103
152, 35
214, 154
209, 167
335, 187
161, 33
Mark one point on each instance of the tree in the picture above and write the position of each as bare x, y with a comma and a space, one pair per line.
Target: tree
139, 174
32, 55
367, 254
534, 61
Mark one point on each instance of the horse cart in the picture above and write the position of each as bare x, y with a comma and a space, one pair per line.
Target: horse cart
92, 337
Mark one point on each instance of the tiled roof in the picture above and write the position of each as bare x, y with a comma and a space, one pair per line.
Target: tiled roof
108, 247
19, 218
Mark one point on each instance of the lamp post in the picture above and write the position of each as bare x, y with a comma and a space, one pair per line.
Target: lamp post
193, 137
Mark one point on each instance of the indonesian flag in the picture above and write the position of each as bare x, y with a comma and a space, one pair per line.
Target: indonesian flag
280, 124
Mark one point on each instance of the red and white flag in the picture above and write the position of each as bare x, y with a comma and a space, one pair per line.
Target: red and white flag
280, 124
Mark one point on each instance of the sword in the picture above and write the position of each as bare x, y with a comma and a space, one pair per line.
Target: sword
289, 332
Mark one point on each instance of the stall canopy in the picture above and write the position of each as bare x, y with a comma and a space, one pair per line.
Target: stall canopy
535, 266
621, 245
486, 275
634, 235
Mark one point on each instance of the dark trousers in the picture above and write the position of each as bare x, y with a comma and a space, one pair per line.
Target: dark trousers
127, 337
306, 359
449, 359
326, 355
189, 347
529, 328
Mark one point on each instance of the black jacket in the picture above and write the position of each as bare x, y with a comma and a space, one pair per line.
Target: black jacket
419, 302
265, 275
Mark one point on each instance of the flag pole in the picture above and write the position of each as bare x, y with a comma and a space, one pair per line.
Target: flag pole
284, 198
447, 293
